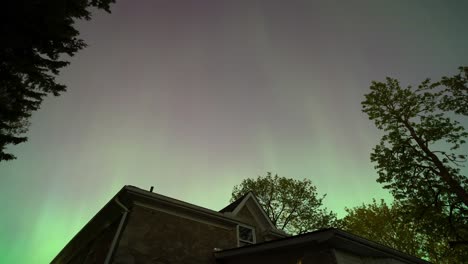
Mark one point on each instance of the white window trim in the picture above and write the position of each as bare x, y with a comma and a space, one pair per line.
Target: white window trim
246, 241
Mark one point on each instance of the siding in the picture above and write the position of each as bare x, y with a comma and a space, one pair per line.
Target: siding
348, 258
293, 255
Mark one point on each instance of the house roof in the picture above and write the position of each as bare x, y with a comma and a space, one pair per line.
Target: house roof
147, 196
235, 207
333, 237
231, 207
129, 196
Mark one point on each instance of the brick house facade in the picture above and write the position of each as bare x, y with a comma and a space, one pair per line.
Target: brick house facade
139, 226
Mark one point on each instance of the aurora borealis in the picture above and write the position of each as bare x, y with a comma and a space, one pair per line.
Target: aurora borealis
193, 96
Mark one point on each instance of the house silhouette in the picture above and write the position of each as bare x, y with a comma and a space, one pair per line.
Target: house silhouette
138, 226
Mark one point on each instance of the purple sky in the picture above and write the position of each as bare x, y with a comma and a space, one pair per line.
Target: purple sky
194, 96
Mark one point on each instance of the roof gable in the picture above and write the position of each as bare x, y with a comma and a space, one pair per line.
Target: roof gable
231, 207
249, 202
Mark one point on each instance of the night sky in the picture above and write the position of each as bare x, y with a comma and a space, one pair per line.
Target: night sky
194, 96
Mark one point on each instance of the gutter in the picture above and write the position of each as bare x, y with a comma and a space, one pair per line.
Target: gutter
119, 230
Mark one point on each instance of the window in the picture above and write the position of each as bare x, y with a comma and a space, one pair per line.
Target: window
245, 235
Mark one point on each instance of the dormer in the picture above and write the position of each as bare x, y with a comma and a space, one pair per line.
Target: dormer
248, 210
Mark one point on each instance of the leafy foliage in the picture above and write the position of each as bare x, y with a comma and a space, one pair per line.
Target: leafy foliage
403, 229
292, 205
36, 35
419, 157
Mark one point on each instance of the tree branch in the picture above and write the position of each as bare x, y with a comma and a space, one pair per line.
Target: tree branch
443, 172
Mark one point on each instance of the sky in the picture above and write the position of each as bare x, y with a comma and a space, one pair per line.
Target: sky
192, 97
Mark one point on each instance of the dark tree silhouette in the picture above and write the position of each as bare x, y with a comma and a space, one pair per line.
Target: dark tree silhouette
397, 227
292, 205
36, 36
419, 157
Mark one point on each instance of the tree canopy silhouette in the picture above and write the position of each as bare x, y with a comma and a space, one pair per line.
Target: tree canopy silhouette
419, 158
36, 36
292, 205
400, 228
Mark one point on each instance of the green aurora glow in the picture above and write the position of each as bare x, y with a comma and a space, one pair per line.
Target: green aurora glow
193, 98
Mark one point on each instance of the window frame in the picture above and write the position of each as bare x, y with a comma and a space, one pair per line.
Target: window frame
239, 240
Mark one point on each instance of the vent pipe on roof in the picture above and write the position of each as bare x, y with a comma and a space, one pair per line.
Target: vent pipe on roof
151, 189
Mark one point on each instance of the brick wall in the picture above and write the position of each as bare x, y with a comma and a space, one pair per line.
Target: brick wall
153, 237
96, 250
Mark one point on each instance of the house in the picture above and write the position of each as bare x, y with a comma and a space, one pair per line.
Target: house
139, 226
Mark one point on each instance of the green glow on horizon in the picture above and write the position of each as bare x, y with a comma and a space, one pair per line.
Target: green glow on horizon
123, 120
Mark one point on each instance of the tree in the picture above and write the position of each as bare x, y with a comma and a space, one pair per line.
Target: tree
383, 224
292, 205
36, 37
418, 158
397, 227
